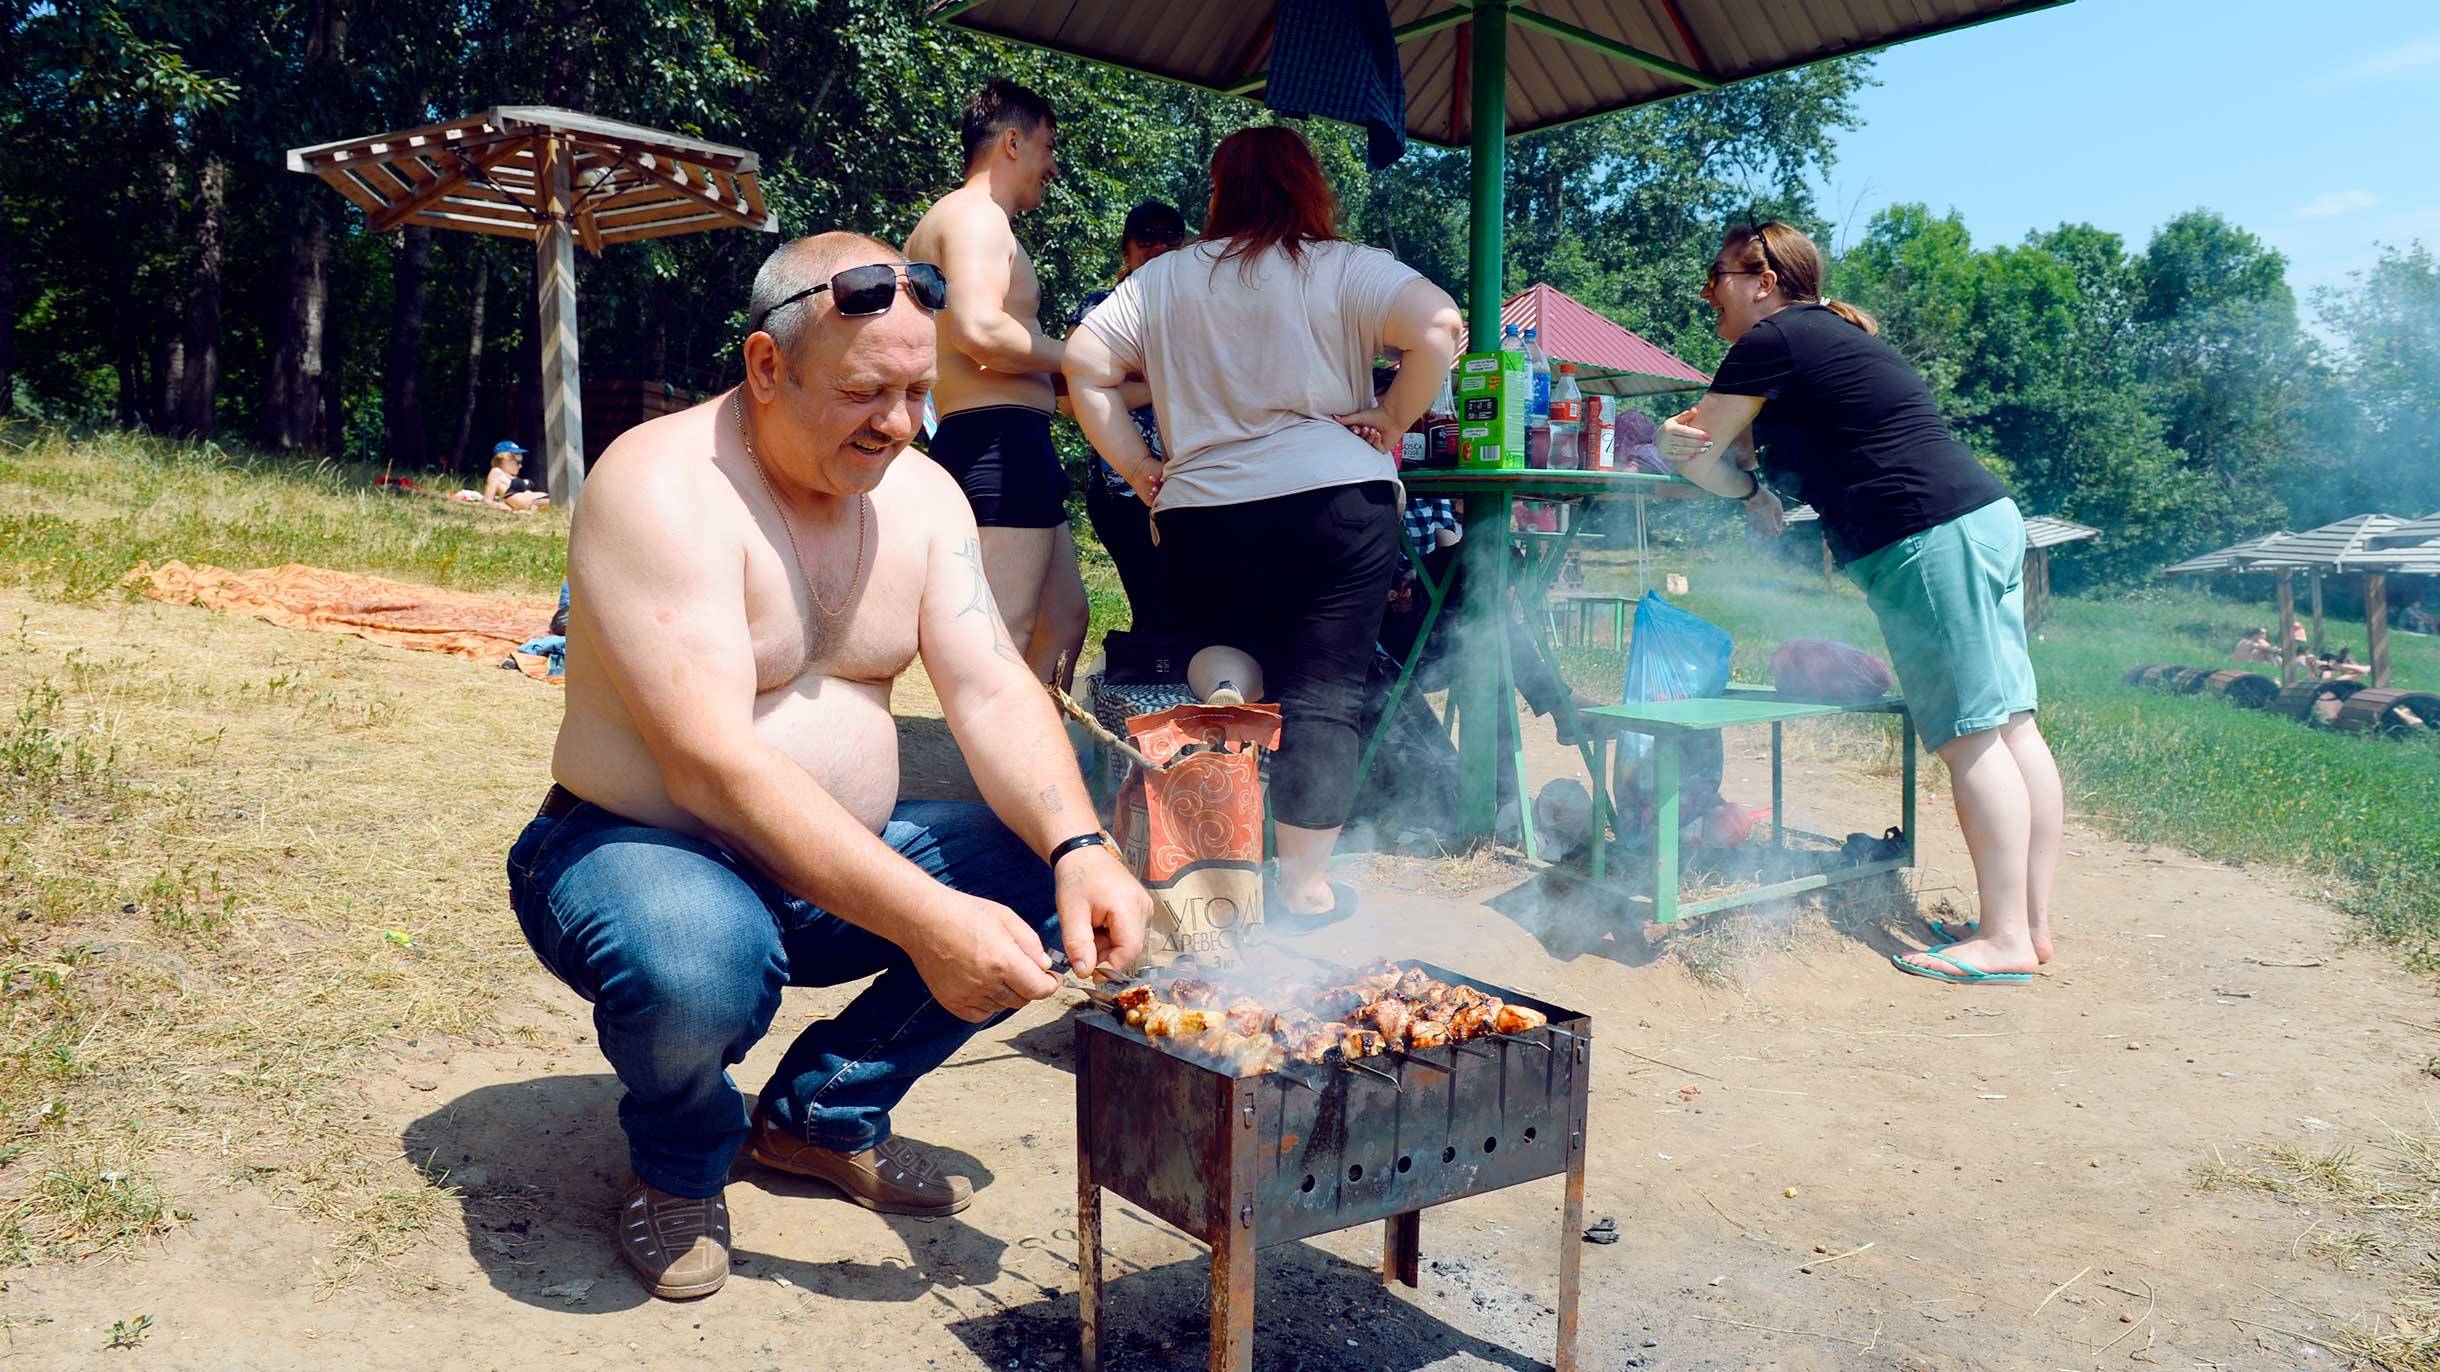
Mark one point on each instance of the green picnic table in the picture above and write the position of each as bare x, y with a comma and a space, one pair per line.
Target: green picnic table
1483, 693
1666, 722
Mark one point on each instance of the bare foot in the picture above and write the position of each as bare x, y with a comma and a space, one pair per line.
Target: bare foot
2043, 951
1983, 955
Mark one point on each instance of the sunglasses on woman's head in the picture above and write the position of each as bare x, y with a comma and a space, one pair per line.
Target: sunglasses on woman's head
870, 289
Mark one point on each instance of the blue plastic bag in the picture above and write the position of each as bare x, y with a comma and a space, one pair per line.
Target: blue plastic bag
1674, 655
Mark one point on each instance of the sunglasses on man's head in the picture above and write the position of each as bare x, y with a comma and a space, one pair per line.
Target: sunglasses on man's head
870, 289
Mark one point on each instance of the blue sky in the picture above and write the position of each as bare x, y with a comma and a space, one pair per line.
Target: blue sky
2311, 125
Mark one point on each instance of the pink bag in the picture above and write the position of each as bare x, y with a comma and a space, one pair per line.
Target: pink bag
1823, 670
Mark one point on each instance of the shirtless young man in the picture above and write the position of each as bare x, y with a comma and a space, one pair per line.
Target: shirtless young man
996, 368
749, 578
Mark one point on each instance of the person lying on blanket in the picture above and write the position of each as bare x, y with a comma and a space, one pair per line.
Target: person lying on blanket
748, 578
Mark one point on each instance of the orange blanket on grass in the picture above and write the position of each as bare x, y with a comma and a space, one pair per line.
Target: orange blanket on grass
480, 628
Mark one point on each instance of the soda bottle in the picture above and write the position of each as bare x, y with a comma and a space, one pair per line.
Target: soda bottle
1537, 412
1566, 419
1440, 427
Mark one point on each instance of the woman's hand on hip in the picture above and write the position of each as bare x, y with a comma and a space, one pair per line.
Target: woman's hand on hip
1765, 515
1374, 426
1681, 442
1143, 476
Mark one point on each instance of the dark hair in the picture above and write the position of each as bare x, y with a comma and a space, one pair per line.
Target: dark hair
1155, 224
1002, 104
1785, 252
1268, 192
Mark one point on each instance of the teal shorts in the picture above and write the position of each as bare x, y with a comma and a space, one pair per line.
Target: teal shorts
1951, 601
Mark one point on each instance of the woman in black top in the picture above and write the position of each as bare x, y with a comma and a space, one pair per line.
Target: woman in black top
1846, 425
1120, 519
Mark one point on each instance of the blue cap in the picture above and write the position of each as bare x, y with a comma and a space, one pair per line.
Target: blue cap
1509, 330
507, 445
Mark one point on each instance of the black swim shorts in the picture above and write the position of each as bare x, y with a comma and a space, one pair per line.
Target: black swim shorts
1002, 458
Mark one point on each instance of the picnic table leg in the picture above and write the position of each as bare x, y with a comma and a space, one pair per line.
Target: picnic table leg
1665, 827
1433, 598
1906, 778
1484, 553
1602, 809
1515, 758
1779, 796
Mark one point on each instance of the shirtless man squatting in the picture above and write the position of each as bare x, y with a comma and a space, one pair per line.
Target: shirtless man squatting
997, 370
750, 576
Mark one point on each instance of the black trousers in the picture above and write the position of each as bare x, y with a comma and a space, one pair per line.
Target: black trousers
1300, 581
1123, 523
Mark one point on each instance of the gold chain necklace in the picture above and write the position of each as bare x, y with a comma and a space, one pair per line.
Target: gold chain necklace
788, 526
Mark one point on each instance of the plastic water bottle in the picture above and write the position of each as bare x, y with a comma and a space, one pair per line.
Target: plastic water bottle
1566, 419
1511, 341
1537, 412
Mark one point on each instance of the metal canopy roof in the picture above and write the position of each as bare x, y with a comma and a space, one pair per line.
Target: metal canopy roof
2227, 559
2419, 560
1567, 59
485, 174
2048, 531
2329, 548
1609, 359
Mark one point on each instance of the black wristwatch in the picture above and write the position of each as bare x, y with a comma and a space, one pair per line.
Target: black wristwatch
1750, 496
1095, 839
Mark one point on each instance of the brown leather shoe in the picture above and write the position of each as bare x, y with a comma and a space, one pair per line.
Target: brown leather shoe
889, 1177
677, 1244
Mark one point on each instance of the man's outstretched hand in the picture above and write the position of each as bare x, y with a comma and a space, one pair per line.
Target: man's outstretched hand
1102, 909
983, 959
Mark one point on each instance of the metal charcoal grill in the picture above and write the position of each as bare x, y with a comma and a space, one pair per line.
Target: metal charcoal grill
1244, 1162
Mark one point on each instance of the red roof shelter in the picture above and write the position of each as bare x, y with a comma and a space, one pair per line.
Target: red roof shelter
1609, 359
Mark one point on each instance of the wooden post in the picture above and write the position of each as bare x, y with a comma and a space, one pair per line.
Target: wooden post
563, 422
2313, 585
2287, 628
2376, 625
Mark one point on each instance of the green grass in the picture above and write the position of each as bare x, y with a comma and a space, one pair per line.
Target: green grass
2360, 814
80, 512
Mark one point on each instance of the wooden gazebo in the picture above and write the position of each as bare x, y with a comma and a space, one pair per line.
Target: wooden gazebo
2043, 533
557, 178
2332, 549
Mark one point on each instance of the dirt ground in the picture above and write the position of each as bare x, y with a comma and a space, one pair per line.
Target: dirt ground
1814, 1161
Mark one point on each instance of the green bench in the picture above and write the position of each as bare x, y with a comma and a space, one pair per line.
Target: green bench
1665, 722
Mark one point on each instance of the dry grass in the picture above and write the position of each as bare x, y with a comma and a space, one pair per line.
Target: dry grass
209, 826
2376, 1211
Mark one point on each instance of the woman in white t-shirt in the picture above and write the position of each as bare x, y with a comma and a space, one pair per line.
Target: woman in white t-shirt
1276, 510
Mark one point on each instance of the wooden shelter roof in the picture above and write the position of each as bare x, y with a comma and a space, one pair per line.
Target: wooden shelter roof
2227, 559
482, 174
2049, 531
2410, 533
2326, 549
1567, 59
2417, 559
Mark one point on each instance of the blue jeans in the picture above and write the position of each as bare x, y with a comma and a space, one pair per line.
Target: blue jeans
682, 948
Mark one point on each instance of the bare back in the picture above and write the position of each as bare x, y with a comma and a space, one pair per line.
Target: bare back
822, 685
970, 237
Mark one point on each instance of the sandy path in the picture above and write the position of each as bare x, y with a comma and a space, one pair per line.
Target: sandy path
1988, 1144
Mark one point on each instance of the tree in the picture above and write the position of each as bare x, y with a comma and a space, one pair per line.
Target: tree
2378, 431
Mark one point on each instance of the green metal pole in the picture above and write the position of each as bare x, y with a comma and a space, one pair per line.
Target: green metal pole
1489, 32
1485, 550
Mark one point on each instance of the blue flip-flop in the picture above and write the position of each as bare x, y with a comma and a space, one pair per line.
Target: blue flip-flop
1957, 932
1963, 976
